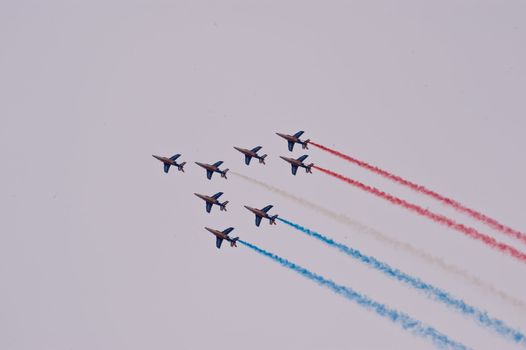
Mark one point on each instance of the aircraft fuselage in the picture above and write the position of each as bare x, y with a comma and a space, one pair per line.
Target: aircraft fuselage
218, 233
213, 168
258, 212
221, 235
293, 139
289, 137
208, 166
247, 152
293, 161
165, 160
207, 198
298, 163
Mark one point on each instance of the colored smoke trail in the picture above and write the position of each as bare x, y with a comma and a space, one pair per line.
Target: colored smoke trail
405, 321
468, 231
405, 247
436, 293
419, 188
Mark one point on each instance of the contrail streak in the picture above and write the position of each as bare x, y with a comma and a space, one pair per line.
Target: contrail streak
436, 293
406, 247
405, 321
419, 188
468, 231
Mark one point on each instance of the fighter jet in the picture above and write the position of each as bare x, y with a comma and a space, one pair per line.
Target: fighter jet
251, 153
292, 139
170, 161
295, 163
221, 235
210, 169
212, 200
262, 213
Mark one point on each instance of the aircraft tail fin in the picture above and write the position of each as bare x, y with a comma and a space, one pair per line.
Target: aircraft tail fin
233, 242
223, 206
180, 166
262, 159
305, 143
308, 169
273, 220
223, 174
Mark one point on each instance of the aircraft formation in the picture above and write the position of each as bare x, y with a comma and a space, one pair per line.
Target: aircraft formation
212, 200
435, 293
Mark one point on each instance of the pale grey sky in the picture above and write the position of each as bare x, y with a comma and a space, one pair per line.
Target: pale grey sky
99, 249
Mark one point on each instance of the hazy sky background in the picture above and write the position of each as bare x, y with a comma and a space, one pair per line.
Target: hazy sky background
99, 249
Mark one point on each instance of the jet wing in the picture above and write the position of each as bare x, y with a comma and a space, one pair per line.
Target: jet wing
255, 149
217, 195
258, 220
291, 145
267, 208
228, 230
219, 240
294, 169
208, 207
218, 163
247, 159
166, 167
175, 157
298, 134
302, 158
209, 174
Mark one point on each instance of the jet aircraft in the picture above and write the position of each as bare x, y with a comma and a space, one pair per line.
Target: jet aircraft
263, 213
211, 168
295, 163
293, 139
170, 161
222, 235
212, 200
249, 153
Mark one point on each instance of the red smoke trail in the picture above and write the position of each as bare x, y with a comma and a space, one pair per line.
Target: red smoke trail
469, 231
458, 206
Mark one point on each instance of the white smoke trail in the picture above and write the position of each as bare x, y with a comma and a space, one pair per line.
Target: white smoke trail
406, 247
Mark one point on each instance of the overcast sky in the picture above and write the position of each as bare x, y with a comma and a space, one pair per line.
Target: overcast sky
99, 249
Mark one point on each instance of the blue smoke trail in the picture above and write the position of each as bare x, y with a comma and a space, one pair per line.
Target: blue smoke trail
436, 293
405, 321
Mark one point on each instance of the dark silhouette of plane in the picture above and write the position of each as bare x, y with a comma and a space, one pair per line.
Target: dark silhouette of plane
251, 153
212, 200
223, 235
292, 139
263, 213
211, 168
295, 163
170, 161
